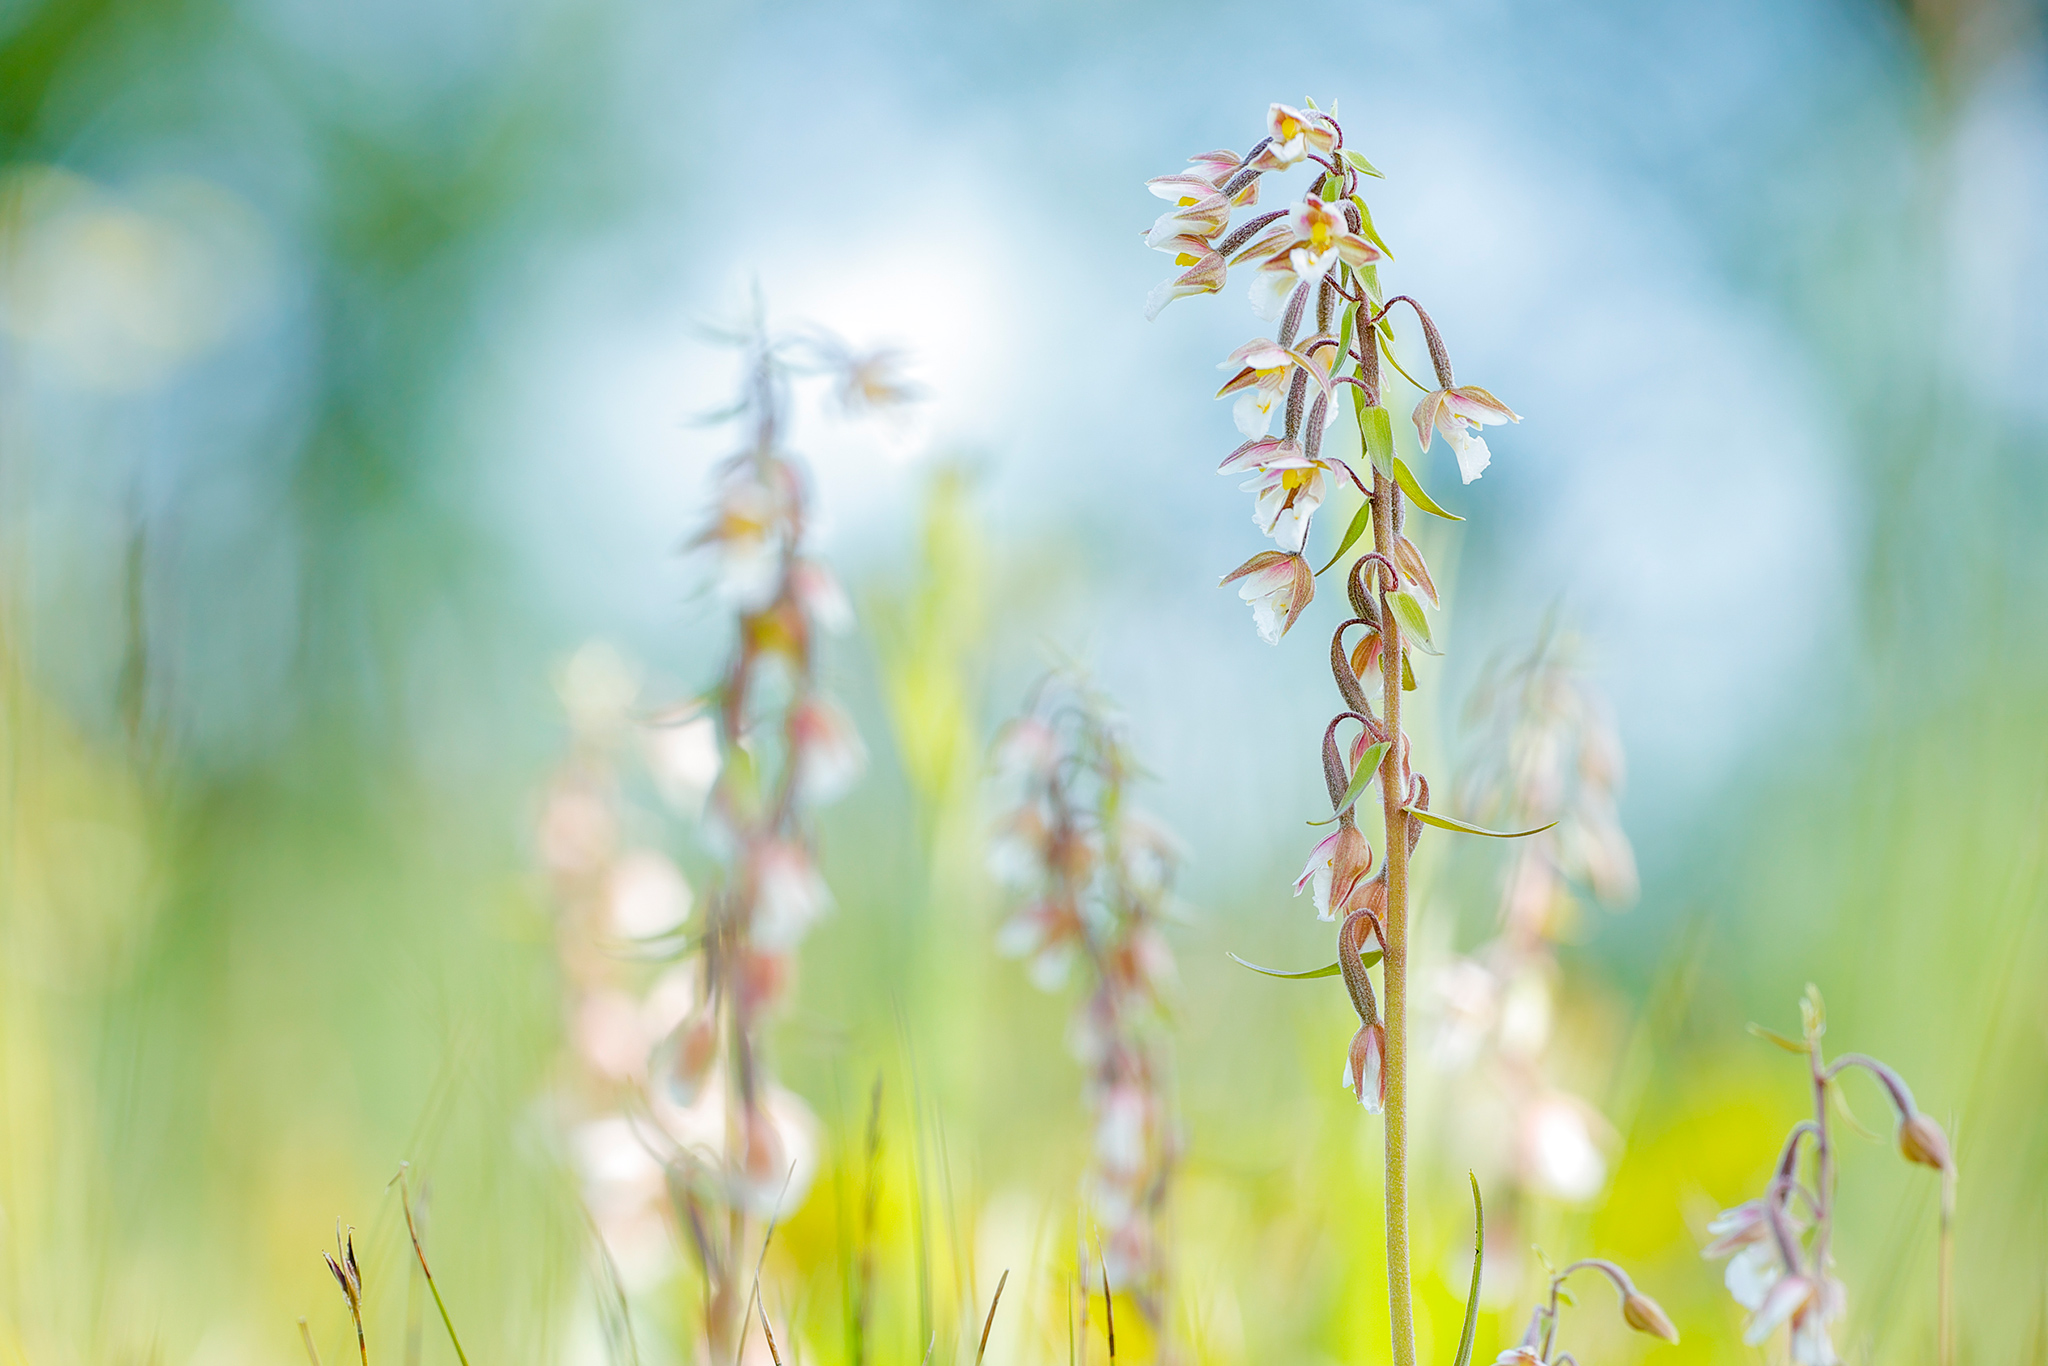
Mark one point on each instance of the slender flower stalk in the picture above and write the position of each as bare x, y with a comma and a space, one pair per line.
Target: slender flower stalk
1315, 273
689, 1112
1095, 877
1780, 1245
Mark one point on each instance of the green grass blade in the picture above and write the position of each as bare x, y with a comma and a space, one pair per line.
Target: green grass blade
1478, 1256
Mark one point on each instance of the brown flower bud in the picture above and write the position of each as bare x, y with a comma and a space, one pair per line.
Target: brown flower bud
1921, 1140
1645, 1315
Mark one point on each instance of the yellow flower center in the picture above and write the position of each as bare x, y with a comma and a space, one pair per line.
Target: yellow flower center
1288, 128
1187, 259
1294, 479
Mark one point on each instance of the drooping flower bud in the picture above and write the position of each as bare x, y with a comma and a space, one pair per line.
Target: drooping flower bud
1921, 1140
1365, 1068
1645, 1315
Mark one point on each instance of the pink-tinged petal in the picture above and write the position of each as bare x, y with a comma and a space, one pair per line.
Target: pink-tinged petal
1240, 380
1183, 188
1217, 166
1321, 131
1187, 244
1253, 454
1474, 404
1737, 1228
1318, 860
1426, 415
1365, 1069
1357, 252
1259, 563
1782, 1301
1201, 219
1260, 354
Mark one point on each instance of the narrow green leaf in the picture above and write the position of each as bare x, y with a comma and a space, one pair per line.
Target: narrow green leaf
1329, 971
1779, 1039
1344, 333
1407, 673
1377, 428
1369, 276
1478, 1256
1360, 520
1452, 823
1362, 164
1411, 486
1368, 764
1408, 609
1366, 229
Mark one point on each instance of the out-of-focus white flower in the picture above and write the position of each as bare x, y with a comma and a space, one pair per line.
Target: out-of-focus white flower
686, 1056
1751, 1274
578, 831
873, 381
1525, 1012
1742, 1226
1810, 1303
1123, 1127
1278, 587
649, 898
624, 1189
597, 686
1459, 413
682, 755
829, 754
1016, 853
1558, 1150
818, 593
1470, 996
1337, 867
780, 1160
748, 532
610, 1034
1150, 851
790, 894
1518, 1356
1046, 932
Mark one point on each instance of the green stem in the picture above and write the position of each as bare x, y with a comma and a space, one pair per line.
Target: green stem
1400, 1306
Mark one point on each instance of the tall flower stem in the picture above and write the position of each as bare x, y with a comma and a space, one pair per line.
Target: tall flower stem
1394, 967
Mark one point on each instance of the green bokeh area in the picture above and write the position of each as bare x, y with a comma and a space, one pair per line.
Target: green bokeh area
289, 566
